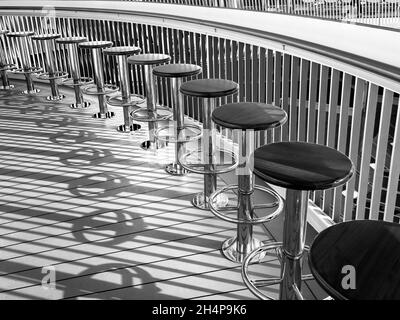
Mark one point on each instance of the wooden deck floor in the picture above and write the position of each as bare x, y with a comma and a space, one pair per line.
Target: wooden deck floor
86, 200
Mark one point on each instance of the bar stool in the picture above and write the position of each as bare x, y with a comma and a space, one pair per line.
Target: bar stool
125, 99
51, 74
204, 160
4, 65
181, 133
99, 89
299, 167
152, 113
76, 81
246, 117
23, 45
367, 248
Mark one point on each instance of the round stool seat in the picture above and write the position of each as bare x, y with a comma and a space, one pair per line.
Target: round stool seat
122, 51
48, 36
249, 115
302, 166
371, 247
95, 44
176, 70
20, 34
3, 31
149, 59
68, 40
209, 88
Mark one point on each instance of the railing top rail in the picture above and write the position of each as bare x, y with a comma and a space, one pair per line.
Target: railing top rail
372, 50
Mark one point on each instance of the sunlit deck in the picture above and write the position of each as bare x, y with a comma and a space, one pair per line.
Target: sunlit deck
80, 197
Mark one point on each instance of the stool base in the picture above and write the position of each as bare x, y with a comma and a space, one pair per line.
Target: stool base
11, 86
127, 129
55, 98
229, 249
150, 145
200, 201
107, 115
255, 257
175, 169
30, 91
82, 105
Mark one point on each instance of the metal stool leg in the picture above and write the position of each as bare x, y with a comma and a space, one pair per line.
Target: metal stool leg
128, 125
201, 200
26, 64
294, 234
239, 246
76, 76
99, 80
176, 168
48, 47
152, 143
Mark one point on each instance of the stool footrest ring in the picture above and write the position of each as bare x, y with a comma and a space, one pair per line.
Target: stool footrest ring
27, 71
136, 100
256, 257
54, 76
189, 132
192, 161
146, 115
94, 91
83, 81
8, 67
219, 212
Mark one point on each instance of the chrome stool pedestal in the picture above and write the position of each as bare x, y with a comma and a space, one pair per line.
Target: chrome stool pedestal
125, 99
76, 81
181, 133
206, 160
246, 118
51, 74
99, 89
152, 114
22, 38
300, 168
4, 65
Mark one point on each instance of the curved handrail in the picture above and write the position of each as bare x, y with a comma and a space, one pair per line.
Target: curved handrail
379, 62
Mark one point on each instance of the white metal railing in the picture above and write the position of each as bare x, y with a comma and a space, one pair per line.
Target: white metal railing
375, 12
326, 103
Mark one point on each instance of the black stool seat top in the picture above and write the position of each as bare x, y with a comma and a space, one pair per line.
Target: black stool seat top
149, 58
122, 51
176, 70
209, 88
95, 44
371, 247
47, 36
249, 115
2, 31
68, 40
20, 34
302, 166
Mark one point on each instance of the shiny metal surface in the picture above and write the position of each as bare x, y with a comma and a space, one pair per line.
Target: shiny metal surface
99, 81
73, 58
294, 236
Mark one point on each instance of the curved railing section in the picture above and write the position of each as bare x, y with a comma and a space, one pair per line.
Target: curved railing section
333, 96
385, 13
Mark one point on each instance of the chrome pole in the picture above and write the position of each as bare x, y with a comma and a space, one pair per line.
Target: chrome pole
99, 79
50, 67
26, 63
151, 108
3, 63
294, 233
75, 72
178, 116
210, 179
245, 191
124, 88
